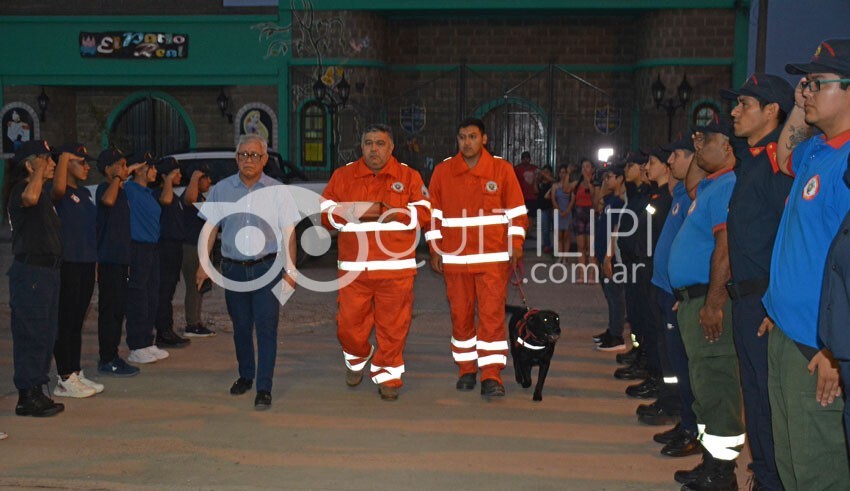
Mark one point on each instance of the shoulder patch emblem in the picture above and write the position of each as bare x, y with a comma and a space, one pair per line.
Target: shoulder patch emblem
398, 186
491, 186
771, 155
812, 188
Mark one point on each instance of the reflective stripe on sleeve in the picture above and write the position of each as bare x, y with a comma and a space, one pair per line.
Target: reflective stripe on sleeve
437, 213
421, 202
514, 230
515, 212
475, 221
327, 204
433, 235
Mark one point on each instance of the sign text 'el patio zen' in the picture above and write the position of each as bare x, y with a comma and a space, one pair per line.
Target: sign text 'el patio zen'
134, 45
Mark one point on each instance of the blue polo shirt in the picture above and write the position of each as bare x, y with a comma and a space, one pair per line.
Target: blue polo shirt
690, 253
171, 223
113, 228
246, 216
78, 226
755, 209
817, 203
144, 213
675, 219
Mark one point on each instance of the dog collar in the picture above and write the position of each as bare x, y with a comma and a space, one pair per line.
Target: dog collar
529, 345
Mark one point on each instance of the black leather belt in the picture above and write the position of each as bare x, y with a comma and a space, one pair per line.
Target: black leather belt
689, 292
270, 257
743, 289
43, 260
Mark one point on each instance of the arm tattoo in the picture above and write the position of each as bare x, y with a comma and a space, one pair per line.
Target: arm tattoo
797, 136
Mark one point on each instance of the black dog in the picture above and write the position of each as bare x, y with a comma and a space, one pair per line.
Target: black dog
533, 334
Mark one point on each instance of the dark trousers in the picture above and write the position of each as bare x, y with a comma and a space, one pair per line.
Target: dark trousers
75, 291
641, 310
34, 301
170, 263
677, 357
258, 309
747, 315
615, 297
142, 294
111, 305
845, 375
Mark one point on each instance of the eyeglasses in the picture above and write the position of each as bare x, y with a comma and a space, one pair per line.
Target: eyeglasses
814, 85
246, 156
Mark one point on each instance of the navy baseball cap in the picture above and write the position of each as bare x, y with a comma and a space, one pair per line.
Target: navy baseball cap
31, 147
768, 87
138, 158
718, 124
107, 158
615, 166
682, 141
636, 156
832, 56
660, 153
76, 149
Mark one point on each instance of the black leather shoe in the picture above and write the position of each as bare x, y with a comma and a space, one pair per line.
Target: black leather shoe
263, 400
660, 417
492, 388
631, 372
668, 436
241, 386
683, 446
170, 339
34, 403
648, 389
646, 408
466, 382
627, 358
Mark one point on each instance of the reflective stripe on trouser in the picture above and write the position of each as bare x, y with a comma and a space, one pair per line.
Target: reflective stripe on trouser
809, 444
386, 305
715, 381
483, 346
387, 375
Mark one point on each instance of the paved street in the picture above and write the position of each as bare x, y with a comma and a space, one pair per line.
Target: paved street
175, 426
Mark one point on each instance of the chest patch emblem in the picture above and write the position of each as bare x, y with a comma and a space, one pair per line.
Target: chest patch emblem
398, 186
675, 210
491, 186
812, 188
75, 199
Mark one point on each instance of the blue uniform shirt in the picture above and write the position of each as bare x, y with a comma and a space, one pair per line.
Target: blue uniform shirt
171, 223
690, 253
675, 218
240, 223
755, 209
818, 201
192, 222
603, 232
144, 213
113, 228
79, 224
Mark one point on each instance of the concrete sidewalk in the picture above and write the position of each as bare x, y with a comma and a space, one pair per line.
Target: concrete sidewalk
175, 426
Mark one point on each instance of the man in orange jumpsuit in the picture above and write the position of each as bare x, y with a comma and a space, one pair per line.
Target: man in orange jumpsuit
477, 234
377, 204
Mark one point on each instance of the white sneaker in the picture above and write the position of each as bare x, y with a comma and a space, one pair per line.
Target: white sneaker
159, 354
72, 388
141, 355
98, 388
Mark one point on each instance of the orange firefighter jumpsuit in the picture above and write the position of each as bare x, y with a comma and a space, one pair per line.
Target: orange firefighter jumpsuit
377, 262
479, 217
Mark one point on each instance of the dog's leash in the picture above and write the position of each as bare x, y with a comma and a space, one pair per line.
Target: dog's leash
519, 274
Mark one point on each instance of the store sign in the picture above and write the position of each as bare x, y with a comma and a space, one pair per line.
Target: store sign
134, 45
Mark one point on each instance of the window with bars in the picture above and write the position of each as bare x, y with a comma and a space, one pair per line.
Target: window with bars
314, 135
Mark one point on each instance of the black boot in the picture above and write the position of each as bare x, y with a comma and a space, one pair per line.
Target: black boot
627, 358
717, 475
33, 402
635, 371
687, 477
